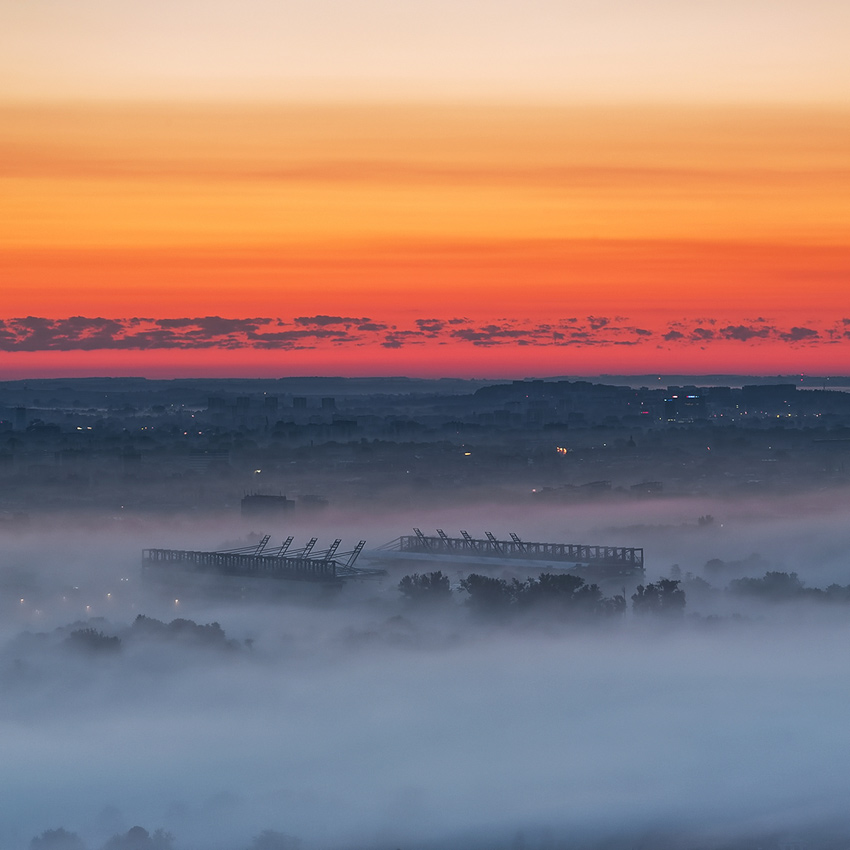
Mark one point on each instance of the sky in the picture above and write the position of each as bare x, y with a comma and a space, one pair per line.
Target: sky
477, 189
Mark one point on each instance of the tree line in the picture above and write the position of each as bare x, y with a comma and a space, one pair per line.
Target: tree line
560, 593
138, 838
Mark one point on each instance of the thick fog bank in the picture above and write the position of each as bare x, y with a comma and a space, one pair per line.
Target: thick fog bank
379, 743
354, 719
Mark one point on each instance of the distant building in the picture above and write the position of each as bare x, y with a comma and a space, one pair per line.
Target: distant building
204, 461
771, 398
720, 396
596, 486
261, 505
684, 407
647, 488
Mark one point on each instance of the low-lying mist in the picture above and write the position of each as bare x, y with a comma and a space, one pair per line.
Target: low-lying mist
354, 718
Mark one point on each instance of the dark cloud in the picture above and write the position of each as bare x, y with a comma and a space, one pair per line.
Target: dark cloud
34, 333
471, 335
216, 325
321, 321
396, 338
77, 332
173, 323
744, 333
798, 334
430, 326
288, 339
81, 333
492, 334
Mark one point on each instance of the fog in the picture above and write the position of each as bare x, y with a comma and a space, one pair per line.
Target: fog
354, 718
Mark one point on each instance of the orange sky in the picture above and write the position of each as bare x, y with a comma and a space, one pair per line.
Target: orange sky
688, 208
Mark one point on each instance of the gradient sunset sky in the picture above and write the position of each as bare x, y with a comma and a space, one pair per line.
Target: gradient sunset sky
356, 187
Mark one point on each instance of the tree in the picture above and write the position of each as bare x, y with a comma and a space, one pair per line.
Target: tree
548, 586
207, 634
567, 593
57, 839
775, 585
270, 839
489, 595
429, 587
138, 838
561, 594
610, 606
565, 590
838, 593
663, 597
93, 640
